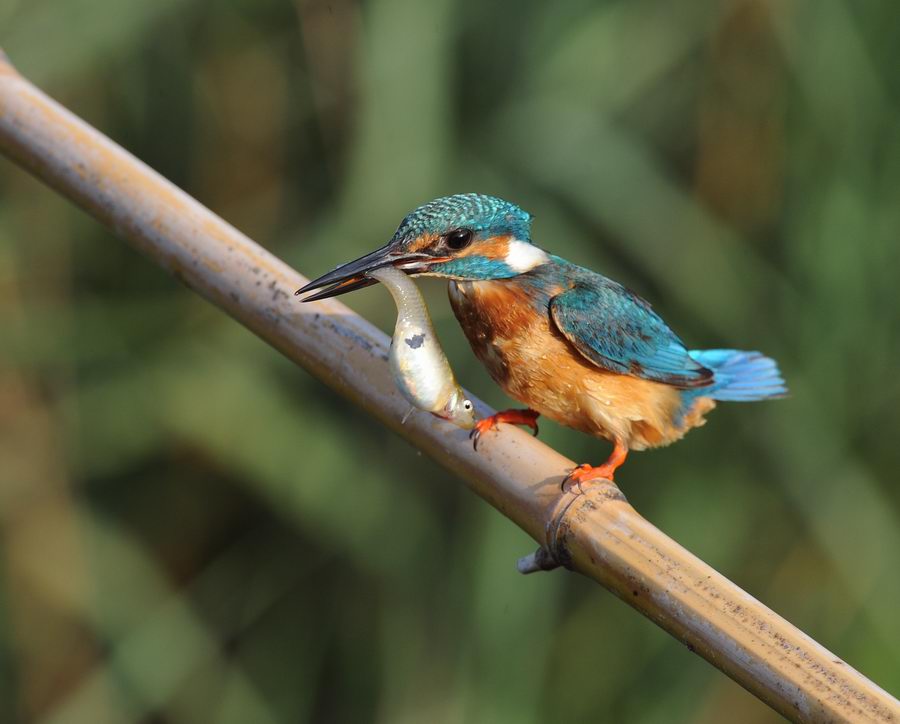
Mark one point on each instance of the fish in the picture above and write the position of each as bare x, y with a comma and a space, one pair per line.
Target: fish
418, 364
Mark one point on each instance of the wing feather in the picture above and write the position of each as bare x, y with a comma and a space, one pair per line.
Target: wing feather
618, 331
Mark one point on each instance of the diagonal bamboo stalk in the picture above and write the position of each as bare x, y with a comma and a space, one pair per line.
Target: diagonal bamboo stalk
597, 533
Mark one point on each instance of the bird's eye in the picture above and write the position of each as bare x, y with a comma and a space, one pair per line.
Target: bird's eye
458, 239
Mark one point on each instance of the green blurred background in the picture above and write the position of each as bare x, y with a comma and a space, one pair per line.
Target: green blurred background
194, 530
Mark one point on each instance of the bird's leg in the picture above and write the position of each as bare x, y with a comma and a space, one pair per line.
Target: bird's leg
606, 471
514, 417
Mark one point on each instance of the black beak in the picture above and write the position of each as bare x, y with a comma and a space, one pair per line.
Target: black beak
352, 275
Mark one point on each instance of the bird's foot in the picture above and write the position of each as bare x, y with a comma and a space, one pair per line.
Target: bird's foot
585, 473
513, 417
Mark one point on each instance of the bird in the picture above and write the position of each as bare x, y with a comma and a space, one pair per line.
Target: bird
567, 342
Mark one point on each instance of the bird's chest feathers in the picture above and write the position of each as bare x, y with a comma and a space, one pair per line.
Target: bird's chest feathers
508, 327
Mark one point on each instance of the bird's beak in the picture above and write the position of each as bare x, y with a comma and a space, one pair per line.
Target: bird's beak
352, 275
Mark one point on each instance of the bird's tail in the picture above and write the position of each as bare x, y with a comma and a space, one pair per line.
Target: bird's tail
740, 376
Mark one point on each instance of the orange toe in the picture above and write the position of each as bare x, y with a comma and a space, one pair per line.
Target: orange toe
481, 427
513, 417
583, 473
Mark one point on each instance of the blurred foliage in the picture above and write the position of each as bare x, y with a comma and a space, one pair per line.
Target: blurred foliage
196, 531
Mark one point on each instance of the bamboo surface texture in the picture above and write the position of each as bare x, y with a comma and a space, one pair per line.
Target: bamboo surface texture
596, 533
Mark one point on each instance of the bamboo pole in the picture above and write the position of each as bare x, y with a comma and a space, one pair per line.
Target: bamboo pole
596, 533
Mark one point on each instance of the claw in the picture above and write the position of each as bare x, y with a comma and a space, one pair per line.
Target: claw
479, 429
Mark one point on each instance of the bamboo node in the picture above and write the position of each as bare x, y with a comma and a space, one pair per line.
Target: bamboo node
554, 553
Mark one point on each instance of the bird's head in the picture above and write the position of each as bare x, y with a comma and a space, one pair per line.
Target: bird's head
464, 237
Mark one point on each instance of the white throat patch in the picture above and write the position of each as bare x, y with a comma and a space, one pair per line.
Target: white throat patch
522, 257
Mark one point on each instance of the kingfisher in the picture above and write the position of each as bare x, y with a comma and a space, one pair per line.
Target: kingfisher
565, 341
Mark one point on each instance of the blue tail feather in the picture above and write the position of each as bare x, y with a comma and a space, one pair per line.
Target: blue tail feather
740, 376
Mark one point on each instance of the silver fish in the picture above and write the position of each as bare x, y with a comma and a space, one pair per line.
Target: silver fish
421, 370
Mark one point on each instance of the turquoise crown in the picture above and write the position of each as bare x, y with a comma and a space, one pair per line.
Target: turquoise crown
485, 215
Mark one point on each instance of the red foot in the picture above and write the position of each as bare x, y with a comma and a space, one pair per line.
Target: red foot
514, 417
606, 471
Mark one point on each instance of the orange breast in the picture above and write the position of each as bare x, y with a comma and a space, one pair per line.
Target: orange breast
527, 356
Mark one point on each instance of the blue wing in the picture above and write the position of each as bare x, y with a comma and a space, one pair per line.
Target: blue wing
618, 331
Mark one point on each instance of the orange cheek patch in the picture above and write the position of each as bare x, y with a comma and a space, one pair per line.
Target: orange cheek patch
495, 247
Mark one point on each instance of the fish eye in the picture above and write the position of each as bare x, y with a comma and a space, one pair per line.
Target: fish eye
458, 238
467, 405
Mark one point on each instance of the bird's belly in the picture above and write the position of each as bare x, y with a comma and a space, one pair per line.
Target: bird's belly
525, 354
